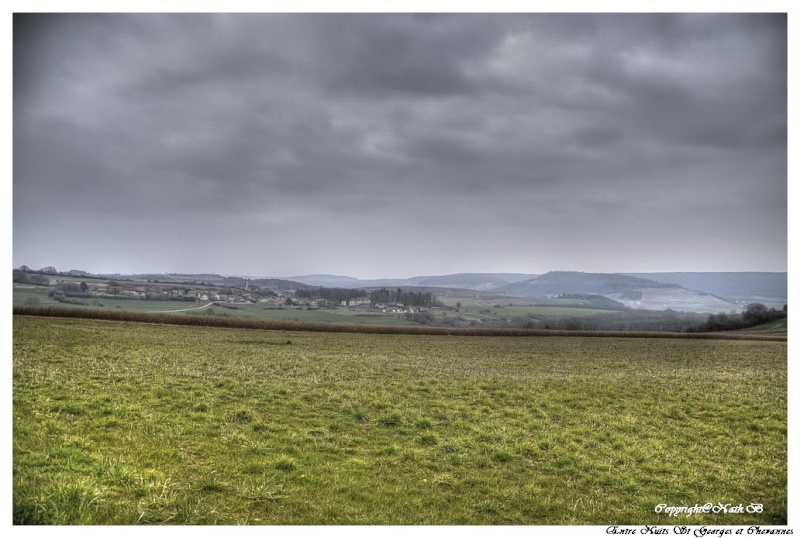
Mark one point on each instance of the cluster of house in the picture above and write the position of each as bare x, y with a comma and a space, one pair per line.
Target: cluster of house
141, 292
233, 296
396, 308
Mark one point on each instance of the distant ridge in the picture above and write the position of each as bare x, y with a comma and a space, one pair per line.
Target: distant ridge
700, 292
692, 291
742, 286
326, 280
560, 282
473, 281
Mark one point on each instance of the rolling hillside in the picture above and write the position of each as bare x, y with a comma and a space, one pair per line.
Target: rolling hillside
632, 291
687, 291
770, 289
558, 282
472, 281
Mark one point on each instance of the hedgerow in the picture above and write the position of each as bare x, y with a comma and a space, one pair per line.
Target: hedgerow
287, 325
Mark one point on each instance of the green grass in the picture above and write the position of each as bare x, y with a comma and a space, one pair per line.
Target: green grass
21, 295
780, 326
252, 311
36, 294
240, 322
338, 315
358, 315
507, 313
126, 423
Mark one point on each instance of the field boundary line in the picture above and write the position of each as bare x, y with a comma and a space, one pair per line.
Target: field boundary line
287, 325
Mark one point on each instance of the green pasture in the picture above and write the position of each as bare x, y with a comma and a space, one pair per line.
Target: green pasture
780, 326
132, 423
260, 311
22, 295
361, 315
36, 294
507, 313
337, 315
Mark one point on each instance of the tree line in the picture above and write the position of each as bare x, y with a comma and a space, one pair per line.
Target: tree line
754, 314
334, 295
25, 277
398, 296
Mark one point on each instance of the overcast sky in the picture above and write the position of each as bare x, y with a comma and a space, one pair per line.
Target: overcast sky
400, 145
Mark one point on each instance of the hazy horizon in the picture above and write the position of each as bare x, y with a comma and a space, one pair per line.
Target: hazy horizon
372, 277
400, 145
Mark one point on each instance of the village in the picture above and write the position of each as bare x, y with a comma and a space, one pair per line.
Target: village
77, 289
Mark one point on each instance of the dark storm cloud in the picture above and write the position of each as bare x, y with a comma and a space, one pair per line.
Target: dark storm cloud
573, 127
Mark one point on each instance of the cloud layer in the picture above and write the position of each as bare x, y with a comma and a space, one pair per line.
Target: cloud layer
393, 145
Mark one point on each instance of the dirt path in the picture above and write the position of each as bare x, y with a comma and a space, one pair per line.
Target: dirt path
188, 309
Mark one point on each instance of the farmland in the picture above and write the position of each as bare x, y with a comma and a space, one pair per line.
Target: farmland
124, 423
258, 311
482, 312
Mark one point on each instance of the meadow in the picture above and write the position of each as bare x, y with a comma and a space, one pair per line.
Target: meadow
350, 315
252, 311
507, 313
135, 423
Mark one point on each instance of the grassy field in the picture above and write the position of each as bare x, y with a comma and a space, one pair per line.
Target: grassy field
780, 326
338, 315
39, 295
507, 313
360, 315
126, 423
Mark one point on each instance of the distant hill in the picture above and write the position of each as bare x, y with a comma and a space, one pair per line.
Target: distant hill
210, 279
339, 281
689, 291
770, 289
327, 281
632, 291
184, 278
560, 282
472, 281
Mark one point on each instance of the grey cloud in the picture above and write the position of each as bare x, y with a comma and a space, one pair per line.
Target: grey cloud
383, 56
556, 123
